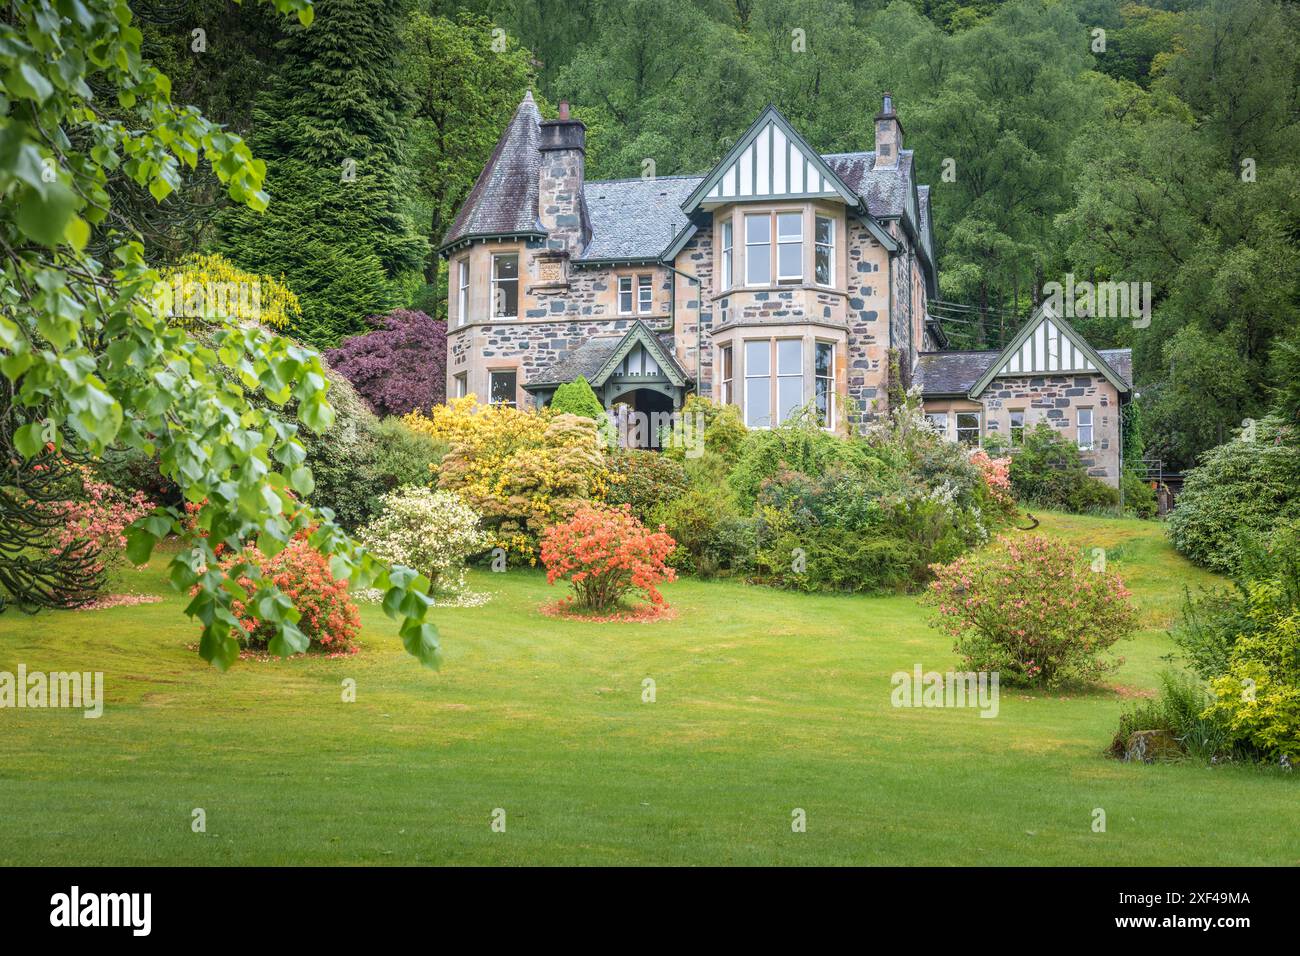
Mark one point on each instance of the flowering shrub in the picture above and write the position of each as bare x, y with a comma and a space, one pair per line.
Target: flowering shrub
519, 469
431, 531
100, 515
1032, 609
399, 366
329, 619
996, 473
607, 554
202, 288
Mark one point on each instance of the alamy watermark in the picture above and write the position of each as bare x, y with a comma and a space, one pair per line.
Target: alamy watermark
67, 689
953, 689
184, 297
1102, 300
661, 430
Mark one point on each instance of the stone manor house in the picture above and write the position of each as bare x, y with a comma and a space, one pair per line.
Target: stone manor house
781, 278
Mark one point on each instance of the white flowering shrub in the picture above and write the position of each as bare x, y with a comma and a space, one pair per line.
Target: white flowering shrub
431, 531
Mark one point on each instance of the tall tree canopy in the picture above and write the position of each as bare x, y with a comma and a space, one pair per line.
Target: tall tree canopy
331, 126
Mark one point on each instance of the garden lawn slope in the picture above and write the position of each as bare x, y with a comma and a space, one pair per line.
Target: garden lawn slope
765, 701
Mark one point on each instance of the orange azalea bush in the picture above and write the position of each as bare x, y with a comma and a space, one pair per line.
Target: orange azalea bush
607, 554
1032, 609
330, 620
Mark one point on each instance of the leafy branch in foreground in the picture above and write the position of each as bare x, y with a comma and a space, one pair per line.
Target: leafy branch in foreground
92, 365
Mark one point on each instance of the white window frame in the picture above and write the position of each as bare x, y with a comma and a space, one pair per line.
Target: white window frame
765, 377
781, 277
514, 399
1012, 427
979, 427
940, 420
726, 374
751, 256
645, 294
1080, 426
780, 376
728, 253
497, 283
830, 251
828, 379
460, 383
462, 293
629, 292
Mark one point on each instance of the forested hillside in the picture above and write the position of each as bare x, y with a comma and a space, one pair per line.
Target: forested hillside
1111, 141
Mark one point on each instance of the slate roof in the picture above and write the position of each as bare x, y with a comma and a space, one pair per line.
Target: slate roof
635, 218
885, 190
955, 372
952, 372
504, 198
589, 357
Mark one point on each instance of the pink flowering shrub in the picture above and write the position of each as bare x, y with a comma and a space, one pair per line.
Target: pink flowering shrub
330, 619
607, 554
95, 520
996, 473
1032, 609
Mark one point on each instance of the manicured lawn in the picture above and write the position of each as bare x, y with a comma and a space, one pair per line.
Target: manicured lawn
766, 701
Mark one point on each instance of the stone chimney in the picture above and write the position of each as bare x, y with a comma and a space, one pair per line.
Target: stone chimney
889, 135
563, 147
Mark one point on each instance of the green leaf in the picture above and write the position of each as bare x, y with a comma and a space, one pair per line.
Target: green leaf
28, 440
44, 218
301, 481
306, 15
139, 545
27, 82
77, 233
421, 641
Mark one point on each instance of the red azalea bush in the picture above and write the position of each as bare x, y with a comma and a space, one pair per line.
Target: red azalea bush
330, 619
607, 554
1032, 609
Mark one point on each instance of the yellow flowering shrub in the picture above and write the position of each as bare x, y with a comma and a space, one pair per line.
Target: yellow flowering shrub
521, 470
206, 287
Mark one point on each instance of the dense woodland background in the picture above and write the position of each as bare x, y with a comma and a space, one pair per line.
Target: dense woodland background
1171, 156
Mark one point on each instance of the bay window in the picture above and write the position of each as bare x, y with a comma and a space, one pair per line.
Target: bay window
501, 387
505, 286
758, 384
726, 255
789, 247
725, 374
758, 250
462, 291
789, 377
824, 383
824, 251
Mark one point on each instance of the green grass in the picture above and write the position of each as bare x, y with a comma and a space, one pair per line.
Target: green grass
766, 701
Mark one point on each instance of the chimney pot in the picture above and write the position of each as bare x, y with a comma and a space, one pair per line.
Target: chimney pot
564, 109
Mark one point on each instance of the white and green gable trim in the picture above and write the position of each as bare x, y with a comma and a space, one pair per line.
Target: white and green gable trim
771, 161
1047, 345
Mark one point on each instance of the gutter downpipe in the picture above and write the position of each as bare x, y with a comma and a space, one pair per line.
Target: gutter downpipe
699, 311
